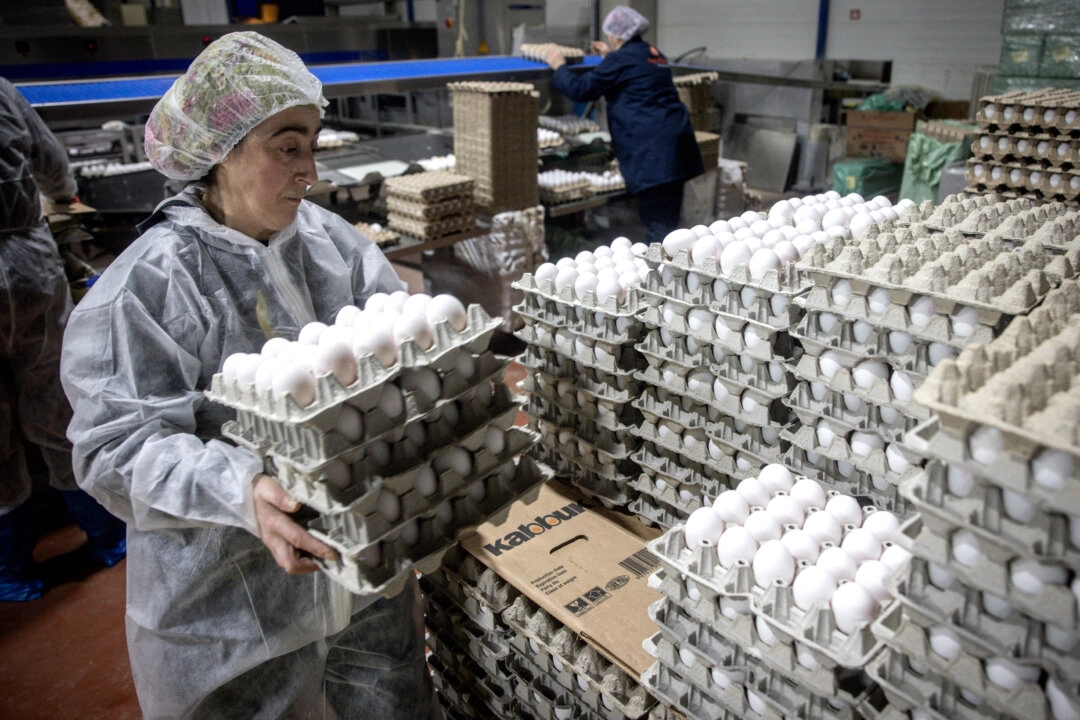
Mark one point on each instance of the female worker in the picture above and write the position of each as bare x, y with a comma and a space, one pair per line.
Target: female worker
650, 127
215, 627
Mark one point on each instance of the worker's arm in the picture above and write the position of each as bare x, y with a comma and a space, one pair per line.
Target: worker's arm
592, 84
48, 159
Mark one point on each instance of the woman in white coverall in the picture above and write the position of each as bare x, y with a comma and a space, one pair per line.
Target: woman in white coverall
34, 305
216, 629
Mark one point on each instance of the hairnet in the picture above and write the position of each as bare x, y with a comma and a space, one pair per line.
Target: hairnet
624, 23
233, 85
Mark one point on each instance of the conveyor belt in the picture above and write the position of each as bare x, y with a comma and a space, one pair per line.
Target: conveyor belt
110, 98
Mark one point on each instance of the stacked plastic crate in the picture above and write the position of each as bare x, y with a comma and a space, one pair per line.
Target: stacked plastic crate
581, 325
988, 622
430, 204
495, 142
1028, 145
491, 645
888, 306
769, 596
396, 432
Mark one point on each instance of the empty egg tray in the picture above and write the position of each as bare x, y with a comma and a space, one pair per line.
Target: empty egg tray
785, 281
955, 209
371, 374
423, 211
430, 187
385, 566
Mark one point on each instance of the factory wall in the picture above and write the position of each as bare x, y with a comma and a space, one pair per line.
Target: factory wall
937, 45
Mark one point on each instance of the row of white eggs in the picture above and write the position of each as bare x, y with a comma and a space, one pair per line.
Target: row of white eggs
291, 368
609, 271
920, 309
719, 354
111, 169
1051, 468
862, 444
569, 125
774, 529
701, 321
1009, 113
866, 374
830, 209
543, 136
438, 162
1023, 145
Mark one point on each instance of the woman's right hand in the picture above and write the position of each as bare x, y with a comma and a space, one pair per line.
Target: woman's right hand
600, 48
288, 542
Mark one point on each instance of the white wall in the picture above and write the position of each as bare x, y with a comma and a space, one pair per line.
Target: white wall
936, 44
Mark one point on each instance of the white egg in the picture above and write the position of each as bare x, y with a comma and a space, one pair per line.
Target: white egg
699, 320
940, 351
719, 390
966, 548
1052, 468
565, 279
748, 297
338, 474
273, 347
940, 577
862, 545
853, 403
986, 444
825, 435
818, 390
1062, 705
853, 606
293, 380
756, 703
639, 249
859, 223
866, 373
457, 459
921, 312
414, 324
1018, 507
736, 545
706, 247
805, 213
388, 504
678, 240
395, 301
378, 341
609, 287
703, 527
416, 304
782, 209
1031, 577
944, 641
338, 359
773, 564
786, 510
802, 545
732, 507
230, 366
901, 385
882, 524
449, 308
763, 526
863, 443
376, 303
845, 509
546, 273
829, 364
585, 283
1009, 675
838, 563
724, 679
762, 262
895, 557
754, 492
391, 401
808, 493
735, 255
347, 316
813, 586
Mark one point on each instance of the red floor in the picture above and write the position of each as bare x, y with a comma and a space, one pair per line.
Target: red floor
65, 656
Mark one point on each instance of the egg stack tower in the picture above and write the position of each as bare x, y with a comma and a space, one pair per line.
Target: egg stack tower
581, 325
988, 622
1028, 145
769, 596
497, 655
884, 309
431, 204
392, 427
495, 142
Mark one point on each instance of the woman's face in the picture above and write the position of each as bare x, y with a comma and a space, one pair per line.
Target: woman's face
262, 181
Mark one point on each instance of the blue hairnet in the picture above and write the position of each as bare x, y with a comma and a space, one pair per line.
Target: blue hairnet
624, 23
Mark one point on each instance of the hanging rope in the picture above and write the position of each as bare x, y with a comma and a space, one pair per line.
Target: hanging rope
462, 35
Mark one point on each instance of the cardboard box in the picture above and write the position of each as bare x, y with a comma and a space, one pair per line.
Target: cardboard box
589, 573
881, 135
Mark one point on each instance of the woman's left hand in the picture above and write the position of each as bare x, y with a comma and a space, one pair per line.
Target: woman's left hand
289, 543
555, 59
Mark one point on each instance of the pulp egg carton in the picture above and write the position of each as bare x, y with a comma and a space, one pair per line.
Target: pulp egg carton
568, 124
676, 691
994, 517
572, 407
922, 692
1029, 225
326, 437
464, 691
988, 568
626, 306
467, 597
564, 192
845, 478
738, 463
594, 672
683, 499
430, 187
786, 281
549, 316
661, 406
590, 352
431, 229
589, 457
735, 335
759, 445
449, 624
853, 341
1022, 145
1060, 233
957, 208
874, 463
321, 489
423, 211
715, 650
611, 492
701, 565
748, 404
660, 348
691, 290
547, 699
1024, 178
655, 512
849, 411
371, 374
934, 599
384, 566
1045, 108
1026, 700
676, 470
617, 387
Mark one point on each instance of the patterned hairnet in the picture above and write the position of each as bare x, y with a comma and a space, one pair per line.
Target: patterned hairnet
624, 23
233, 85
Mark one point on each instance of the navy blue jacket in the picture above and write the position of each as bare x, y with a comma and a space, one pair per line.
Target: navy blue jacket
650, 127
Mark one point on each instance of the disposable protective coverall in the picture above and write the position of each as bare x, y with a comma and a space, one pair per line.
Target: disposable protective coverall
34, 305
215, 627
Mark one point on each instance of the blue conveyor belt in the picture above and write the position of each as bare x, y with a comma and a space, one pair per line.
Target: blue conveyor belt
343, 76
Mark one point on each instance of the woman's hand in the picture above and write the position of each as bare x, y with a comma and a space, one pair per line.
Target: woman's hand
289, 543
555, 59
600, 48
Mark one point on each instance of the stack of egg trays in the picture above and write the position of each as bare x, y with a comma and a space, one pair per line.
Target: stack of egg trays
580, 360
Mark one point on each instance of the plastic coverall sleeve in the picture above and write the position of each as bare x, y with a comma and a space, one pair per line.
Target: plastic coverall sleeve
48, 160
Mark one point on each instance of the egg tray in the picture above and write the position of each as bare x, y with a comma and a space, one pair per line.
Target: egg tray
408, 207
868, 418
748, 449
617, 387
320, 440
770, 345
747, 404
466, 597
314, 488
1054, 102
568, 124
702, 566
877, 345
383, 568
431, 229
980, 633
923, 692
613, 306
759, 384
371, 374
675, 499
1026, 178
610, 491
673, 468
1021, 146
570, 191
446, 623
656, 513
1041, 221
786, 281
686, 698
1059, 231
741, 463
611, 359
382, 237
769, 311
431, 186
683, 630
1044, 538
956, 208
618, 418
848, 480
550, 316
603, 677
468, 693
590, 456
546, 698
1026, 701
655, 410
874, 463
476, 589
1055, 605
